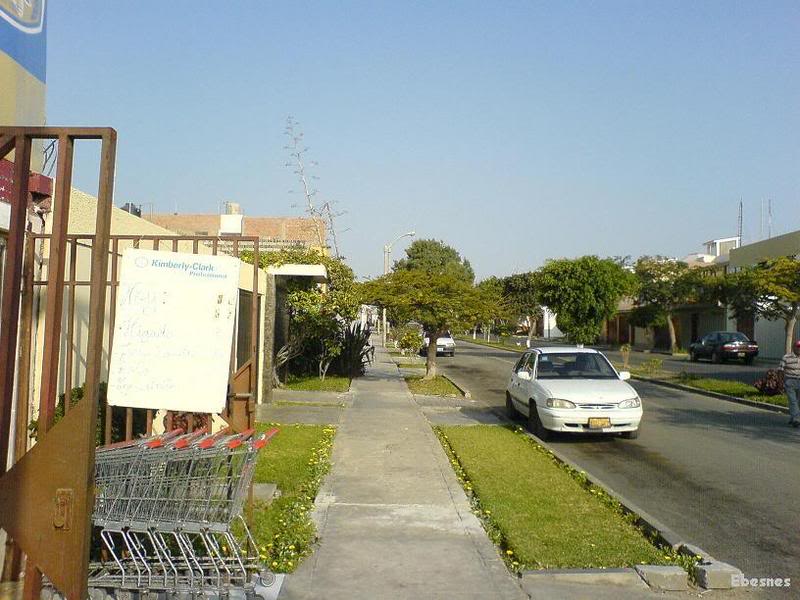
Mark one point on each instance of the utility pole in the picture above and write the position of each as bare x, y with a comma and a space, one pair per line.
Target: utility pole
387, 250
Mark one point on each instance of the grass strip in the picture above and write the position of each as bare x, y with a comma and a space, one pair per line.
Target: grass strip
296, 460
438, 386
731, 388
411, 365
312, 383
491, 344
541, 513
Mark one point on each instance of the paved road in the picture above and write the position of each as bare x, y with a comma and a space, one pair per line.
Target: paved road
722, 475
705, 368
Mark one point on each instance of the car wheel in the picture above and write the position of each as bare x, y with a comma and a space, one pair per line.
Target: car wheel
748, 360
692, 356
716, 358
535, 423
630, 435
510, 410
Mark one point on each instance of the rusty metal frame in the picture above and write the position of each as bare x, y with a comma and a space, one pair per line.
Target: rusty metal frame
46, 500
243, 378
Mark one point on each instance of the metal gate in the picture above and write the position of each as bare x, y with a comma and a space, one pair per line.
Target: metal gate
56, 335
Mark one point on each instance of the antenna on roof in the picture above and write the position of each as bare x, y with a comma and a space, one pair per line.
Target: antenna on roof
769, 218
739, 226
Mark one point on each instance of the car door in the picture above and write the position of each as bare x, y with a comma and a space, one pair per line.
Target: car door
705, 346
526, 375
516, 388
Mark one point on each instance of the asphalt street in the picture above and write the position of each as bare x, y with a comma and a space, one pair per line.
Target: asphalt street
732, 369
723, 476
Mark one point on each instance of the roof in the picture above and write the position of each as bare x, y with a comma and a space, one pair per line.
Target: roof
563, 349
317, 272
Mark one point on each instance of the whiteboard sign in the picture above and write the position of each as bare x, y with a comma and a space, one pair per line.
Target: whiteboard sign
173, 331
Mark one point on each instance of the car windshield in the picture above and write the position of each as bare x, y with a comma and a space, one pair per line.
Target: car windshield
574, 365
732, 337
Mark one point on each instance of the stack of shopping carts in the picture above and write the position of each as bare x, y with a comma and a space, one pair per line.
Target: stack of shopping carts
169, 513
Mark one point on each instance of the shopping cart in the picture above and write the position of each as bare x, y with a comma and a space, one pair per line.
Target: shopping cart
168, 510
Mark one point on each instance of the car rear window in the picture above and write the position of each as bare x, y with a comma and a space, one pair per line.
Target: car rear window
733, 337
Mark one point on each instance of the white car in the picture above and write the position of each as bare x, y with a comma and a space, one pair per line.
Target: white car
575, 390
444, 345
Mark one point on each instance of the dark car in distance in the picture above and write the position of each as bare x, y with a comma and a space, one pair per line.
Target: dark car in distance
722, 345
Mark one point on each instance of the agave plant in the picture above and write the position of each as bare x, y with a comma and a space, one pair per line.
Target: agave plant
357, 352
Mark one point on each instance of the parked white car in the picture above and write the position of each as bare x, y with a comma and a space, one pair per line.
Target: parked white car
575, 390
444, 345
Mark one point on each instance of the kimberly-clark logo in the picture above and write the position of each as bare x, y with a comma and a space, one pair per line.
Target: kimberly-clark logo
193, 269
25, 15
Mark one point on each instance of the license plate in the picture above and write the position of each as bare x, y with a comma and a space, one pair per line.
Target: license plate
599, 422
741, 354
440, 349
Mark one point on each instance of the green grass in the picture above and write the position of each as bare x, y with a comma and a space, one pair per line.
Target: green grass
312, 383
731, 388
539, 513
438, 386
296, 460
491, 344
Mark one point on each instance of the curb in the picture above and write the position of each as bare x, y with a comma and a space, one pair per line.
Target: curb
460, 386
687, 388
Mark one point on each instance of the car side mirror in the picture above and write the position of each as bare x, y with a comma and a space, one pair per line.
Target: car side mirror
624, 375
526, 375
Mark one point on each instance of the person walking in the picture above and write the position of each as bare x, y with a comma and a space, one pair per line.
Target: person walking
790, 366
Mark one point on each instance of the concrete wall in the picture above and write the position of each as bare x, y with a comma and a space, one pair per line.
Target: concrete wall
771, 336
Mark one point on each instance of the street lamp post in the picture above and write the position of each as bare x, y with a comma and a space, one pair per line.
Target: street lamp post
387, 251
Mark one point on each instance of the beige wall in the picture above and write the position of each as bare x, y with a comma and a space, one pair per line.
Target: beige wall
781, 245
82, 217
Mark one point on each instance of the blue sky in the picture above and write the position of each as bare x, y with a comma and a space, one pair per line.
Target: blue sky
514, 131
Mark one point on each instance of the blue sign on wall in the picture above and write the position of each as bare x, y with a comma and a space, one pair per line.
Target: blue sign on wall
23, 34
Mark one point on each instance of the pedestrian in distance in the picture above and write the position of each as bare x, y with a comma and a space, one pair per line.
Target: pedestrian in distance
790, 366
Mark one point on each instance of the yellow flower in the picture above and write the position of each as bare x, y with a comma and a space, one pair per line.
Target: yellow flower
510, 552
274, 563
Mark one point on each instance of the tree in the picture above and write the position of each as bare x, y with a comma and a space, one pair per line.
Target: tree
775, 286
438, 300
664, 284
433, 256
318, 314
583, 292
519, 291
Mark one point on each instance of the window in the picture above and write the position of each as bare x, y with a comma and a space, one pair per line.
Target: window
574, 365
521, 362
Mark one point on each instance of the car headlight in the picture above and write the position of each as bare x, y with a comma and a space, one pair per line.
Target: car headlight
559, 403
631, 403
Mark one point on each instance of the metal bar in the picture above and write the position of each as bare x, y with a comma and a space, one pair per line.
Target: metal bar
73, 259
7, 143
9, 307
214, 245
55, 286
85, 459
52, 133
175, 245
128, 424
195, 246
254, 341
24, 367
156, 243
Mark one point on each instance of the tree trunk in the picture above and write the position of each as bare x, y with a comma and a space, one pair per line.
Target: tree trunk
531, 327
673, 342
475, 332
791, 321
430, 364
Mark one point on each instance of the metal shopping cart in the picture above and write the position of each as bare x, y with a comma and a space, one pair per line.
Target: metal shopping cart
168, 510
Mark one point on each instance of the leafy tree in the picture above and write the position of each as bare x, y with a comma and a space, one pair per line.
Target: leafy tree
583, 292
439, 301
433, 256
318, 314
519, 291
664, 284
777, 286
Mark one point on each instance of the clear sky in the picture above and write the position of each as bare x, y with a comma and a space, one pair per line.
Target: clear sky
515, 131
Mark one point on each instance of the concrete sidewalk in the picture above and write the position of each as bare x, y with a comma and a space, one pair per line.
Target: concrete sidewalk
393, 520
